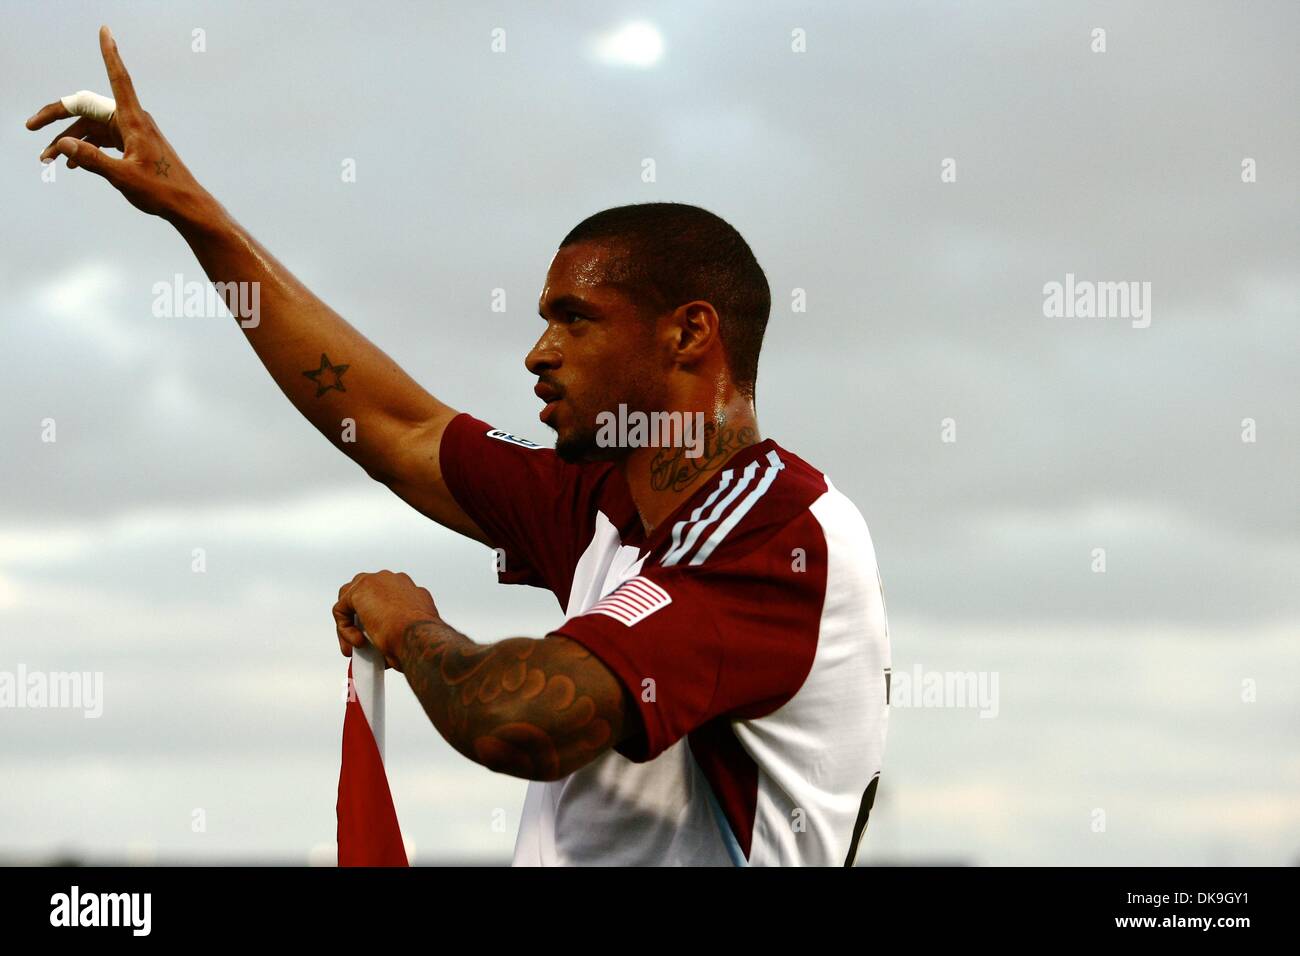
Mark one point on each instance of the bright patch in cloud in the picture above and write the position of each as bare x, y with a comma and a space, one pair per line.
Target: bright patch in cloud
82, 299
637, 44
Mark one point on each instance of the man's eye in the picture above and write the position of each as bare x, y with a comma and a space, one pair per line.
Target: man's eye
574, 316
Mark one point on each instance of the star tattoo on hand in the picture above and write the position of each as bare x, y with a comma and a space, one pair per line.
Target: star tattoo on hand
161, 167
327, 376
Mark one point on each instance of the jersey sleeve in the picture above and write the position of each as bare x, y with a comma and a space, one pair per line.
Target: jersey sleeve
538, 510
692, 644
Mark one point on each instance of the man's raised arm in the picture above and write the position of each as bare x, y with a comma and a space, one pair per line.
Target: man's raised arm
328, 369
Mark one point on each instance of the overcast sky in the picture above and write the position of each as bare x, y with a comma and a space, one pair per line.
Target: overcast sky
1160, 697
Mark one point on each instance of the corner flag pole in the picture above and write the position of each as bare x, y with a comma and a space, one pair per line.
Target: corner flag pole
368, 679
368, 831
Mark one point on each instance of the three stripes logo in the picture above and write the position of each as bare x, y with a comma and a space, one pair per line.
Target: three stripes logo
632, 601
717, 516
694, 539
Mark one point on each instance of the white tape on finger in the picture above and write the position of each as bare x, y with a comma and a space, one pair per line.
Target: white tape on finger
90, 105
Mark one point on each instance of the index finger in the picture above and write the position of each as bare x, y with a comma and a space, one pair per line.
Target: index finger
118, 78
48, 114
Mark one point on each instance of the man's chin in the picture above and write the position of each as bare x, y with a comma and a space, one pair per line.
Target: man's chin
582, 449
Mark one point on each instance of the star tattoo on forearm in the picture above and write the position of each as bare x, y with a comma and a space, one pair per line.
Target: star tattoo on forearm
328, 377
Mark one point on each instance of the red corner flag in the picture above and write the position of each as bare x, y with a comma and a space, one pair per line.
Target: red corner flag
368, 834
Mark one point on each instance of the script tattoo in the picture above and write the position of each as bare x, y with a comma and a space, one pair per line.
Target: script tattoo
327, 376
537, 709
671, 470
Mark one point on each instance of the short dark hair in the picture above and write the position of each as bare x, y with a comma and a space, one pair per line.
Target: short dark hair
675, 253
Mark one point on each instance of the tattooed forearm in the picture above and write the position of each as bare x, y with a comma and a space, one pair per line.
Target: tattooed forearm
671, 470
537, 709
328, 376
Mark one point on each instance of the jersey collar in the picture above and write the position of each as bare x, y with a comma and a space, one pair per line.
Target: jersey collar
647, 545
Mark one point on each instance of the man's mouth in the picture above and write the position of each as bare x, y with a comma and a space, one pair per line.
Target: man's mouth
551, 396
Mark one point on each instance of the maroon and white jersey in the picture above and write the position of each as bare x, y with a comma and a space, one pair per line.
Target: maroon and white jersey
749, 627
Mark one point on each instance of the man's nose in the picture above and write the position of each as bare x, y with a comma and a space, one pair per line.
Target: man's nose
542, 357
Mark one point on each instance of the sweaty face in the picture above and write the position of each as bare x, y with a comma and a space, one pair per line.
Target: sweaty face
596, 351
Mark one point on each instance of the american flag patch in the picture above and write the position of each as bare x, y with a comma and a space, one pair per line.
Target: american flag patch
632, 601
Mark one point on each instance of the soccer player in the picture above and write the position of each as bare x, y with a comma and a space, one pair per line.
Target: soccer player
718, 691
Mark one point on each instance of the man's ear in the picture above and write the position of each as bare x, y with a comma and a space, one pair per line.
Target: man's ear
696, 332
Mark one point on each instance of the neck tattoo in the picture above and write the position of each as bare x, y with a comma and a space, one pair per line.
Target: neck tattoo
671, 470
